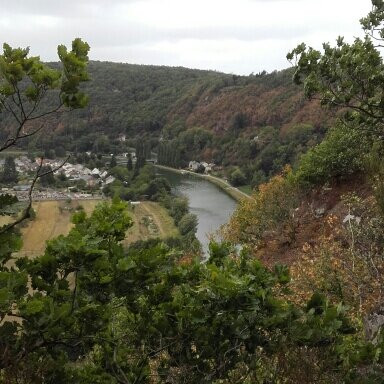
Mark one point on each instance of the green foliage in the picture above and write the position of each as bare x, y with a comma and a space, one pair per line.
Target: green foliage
258, 178
237, 178
54, 314
129, 162
240, 121
157, 188
90, 311
271, 208
177, 206
349, 76
113, 162
169, 154
137, 184
340, 154
6, 201
48, 178
187, 224
99, 313
30, 81
9, 174
74, 72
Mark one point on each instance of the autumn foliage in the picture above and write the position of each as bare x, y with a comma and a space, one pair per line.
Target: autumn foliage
271, 208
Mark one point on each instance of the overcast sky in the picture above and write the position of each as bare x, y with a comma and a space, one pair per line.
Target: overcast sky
234, 36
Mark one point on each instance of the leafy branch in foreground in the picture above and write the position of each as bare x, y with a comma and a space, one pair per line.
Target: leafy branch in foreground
26, 84
94, 312
348, 76
39, 174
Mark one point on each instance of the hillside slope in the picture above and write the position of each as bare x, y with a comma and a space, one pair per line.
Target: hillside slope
259, 119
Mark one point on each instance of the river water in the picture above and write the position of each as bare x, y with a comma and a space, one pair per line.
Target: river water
209, 203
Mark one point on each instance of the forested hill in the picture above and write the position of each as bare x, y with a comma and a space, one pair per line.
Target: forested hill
124, 99
207, 115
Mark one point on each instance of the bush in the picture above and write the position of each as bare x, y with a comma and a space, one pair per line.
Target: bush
188, 224
340, 154
270, 209
258, 178
177, 207
237, 178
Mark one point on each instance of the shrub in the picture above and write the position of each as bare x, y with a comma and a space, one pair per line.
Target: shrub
237, 178
340, 154
270, 208
188, 224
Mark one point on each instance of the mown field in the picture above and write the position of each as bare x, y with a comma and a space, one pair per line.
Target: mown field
150, 220
53, 218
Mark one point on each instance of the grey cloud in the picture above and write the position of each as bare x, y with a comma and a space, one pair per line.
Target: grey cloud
115, 33
57, 8
102, 24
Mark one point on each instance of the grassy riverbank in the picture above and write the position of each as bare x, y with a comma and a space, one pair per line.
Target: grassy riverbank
235, 193
53, 218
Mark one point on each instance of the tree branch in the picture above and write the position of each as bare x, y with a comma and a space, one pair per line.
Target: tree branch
26, 213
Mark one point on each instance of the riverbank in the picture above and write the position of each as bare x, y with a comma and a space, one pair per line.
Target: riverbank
222, 184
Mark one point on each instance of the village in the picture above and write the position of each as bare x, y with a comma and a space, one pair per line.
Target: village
81, 182
91, 181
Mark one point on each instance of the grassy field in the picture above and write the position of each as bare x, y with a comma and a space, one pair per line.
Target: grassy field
53, 218
150, 220
246, 189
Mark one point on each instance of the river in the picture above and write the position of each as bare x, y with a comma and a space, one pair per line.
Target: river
209, 203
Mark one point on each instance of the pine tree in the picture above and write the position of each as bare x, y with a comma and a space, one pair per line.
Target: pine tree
48, 179
129, 162
9, 174
113, 162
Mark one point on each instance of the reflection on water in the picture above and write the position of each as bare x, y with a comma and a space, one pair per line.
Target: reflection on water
209, 203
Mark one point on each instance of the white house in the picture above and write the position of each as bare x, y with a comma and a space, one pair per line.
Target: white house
193, 165
109, 180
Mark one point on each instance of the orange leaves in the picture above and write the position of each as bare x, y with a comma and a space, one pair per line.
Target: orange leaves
270, 209
346, 264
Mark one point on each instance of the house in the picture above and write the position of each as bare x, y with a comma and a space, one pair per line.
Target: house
209, 168
95, 172
109, 180
21, 188
194, 165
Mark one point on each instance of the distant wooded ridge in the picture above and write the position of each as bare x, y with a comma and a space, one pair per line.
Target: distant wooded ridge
231, 120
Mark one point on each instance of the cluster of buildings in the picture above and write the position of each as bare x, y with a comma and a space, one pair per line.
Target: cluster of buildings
25, 165
73, 172
76, 172
203, 167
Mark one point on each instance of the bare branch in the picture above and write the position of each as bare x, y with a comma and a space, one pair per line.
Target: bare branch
33, 132
26, 212
55, 110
